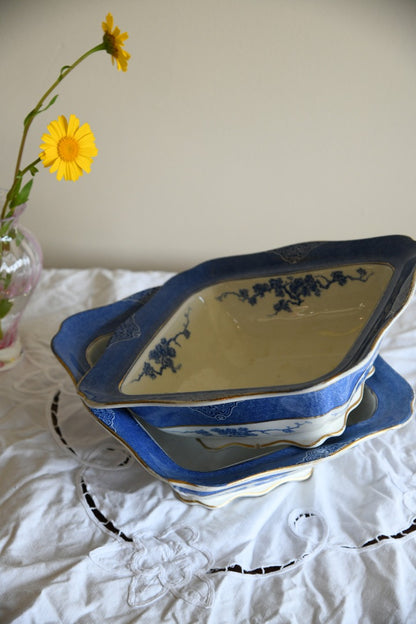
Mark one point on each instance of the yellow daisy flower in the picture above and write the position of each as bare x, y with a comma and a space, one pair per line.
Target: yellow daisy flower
114, 42
68, 149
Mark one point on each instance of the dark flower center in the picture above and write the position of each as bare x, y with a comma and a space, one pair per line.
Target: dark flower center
110, 44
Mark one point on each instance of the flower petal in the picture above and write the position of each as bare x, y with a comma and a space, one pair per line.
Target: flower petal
54, 166
55, 130
84, 163
73, 125
83, 131
73, 171
68, 148
113, 40
63, 125
108, 24
60, 169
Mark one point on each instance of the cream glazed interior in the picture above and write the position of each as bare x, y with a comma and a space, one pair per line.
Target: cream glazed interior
253, 333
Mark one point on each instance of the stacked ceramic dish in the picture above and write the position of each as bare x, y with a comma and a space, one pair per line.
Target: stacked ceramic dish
241, 373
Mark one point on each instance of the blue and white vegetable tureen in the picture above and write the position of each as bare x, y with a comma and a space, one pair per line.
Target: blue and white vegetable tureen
242, 373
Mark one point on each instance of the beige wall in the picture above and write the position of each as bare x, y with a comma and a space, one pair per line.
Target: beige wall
241, 125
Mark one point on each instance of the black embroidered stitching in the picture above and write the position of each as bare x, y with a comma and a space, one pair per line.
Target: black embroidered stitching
54, 417
381, 538
88, 498
124, 462
266, 570
277, 568
99, 515
306, 514
236, 568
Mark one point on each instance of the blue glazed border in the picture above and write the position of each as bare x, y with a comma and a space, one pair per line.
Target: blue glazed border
302, 406
394, 407
79, 330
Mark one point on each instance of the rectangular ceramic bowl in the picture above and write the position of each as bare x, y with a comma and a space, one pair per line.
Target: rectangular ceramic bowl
251, 348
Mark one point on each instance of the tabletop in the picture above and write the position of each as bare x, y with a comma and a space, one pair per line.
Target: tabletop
88, 536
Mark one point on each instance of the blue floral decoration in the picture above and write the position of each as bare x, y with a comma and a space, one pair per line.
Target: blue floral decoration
164, 353
292, 291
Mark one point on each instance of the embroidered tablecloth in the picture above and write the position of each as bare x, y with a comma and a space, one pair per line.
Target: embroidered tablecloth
87, 536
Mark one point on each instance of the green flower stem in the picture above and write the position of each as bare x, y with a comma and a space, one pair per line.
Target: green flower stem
28, 121
29, 167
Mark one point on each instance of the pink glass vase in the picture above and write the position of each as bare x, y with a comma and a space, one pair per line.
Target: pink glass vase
20, 269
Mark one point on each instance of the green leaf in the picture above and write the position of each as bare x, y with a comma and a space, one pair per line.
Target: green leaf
36, 111
30, 116
53, 100
22, 196
16, 188
5, 307
33, 170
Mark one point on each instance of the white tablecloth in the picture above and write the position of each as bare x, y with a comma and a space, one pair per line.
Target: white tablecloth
87, 536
